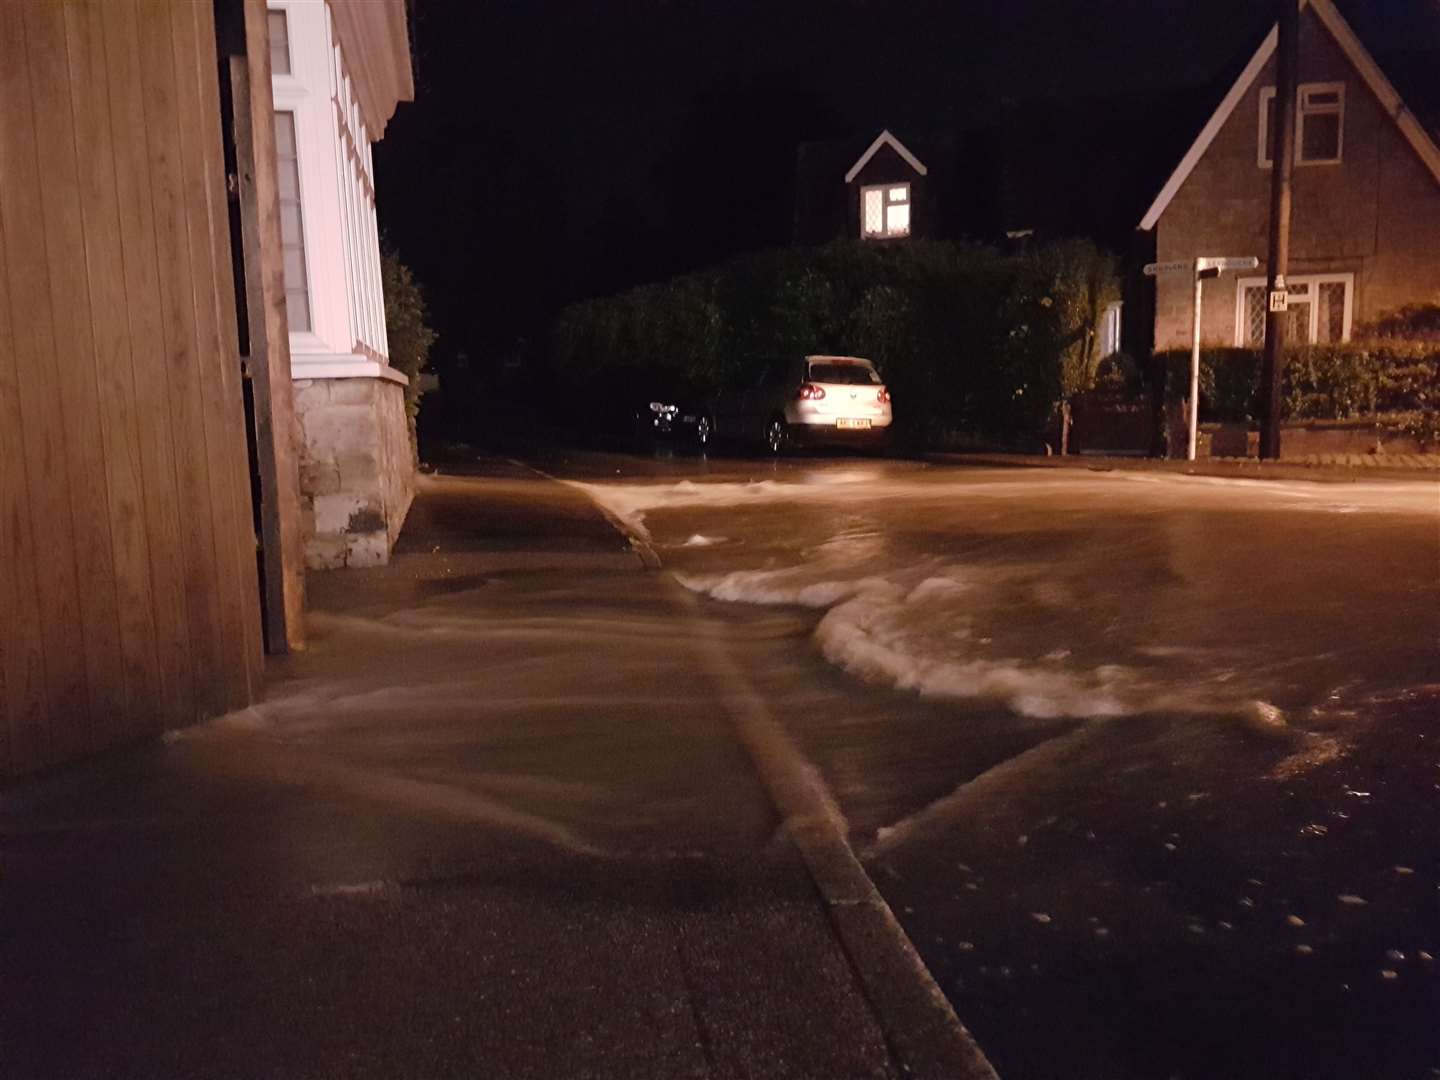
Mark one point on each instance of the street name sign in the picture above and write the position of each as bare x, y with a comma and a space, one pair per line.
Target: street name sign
1245, 262
1200, 268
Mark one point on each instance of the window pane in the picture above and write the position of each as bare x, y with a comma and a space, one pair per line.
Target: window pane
1270, 128
292, 233
290, 223
1322, 97
898, 220
899, 194
1297, 323
1319, 136
874, 212
294, 265
1254, 316
279, 42
297, 308
1331, 324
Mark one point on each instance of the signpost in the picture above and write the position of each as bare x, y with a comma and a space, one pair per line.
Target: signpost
1200, 269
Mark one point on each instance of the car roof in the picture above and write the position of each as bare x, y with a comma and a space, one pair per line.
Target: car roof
842, 359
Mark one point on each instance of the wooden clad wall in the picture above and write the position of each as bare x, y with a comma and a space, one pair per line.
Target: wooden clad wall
128, 593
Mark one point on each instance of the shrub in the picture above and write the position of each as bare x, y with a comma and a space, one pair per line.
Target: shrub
407, 328
1395, 380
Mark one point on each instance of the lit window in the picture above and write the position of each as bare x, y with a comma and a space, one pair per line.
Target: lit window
1317, 312
279, 26
292, 233
886, 210
1110, 329
1319, 124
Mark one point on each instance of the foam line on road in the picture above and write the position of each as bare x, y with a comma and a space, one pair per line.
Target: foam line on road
925, 1036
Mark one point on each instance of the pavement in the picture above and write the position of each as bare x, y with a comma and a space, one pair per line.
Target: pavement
1333, 468
514, 813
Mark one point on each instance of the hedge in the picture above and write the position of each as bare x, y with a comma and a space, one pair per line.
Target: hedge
1393, 379
968, 337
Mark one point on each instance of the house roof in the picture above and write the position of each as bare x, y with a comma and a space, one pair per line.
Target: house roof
885, 139
1411, 127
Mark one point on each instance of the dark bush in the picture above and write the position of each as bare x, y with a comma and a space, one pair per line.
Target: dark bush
407, 328
970, 340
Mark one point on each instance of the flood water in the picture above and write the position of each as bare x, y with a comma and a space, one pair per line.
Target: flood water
1148, 765
1059, 595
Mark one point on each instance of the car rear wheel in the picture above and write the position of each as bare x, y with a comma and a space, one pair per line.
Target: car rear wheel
777, 435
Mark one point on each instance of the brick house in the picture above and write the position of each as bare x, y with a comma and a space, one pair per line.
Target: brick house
1365, 234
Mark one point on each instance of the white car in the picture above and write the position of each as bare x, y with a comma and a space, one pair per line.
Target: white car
817, 399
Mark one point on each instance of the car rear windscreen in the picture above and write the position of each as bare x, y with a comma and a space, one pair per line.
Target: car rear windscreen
845, 374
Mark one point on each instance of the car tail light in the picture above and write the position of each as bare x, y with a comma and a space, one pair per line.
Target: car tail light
811, 392
883, 396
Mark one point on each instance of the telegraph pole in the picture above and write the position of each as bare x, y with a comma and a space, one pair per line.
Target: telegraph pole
1282, 164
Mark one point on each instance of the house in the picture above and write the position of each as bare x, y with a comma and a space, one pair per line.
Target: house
186, 264
882, 189
1365, 232
338, 71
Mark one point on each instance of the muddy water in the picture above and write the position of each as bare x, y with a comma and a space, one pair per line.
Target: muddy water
1074, 596
1148, 766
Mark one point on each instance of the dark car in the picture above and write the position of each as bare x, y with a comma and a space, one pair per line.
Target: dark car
669, 408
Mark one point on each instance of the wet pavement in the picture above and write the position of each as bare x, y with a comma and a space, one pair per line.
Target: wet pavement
489, 824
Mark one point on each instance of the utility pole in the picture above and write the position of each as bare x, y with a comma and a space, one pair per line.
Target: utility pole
1272, 368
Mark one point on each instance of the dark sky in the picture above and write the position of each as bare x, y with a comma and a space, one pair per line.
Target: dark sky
566, 148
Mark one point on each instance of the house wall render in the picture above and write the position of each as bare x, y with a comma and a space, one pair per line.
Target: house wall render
349, 401
129, 599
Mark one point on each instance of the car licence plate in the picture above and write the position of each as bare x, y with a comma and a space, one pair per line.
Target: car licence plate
852, 423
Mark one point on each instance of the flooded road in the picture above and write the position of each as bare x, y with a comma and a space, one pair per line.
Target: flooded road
1148, 765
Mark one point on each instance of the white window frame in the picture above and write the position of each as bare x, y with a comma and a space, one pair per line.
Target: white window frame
1314, 281
1110, 326
1303, 108
886, 201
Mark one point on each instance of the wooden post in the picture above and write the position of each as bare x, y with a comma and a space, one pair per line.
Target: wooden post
1272, 369
1193, 418
268, 363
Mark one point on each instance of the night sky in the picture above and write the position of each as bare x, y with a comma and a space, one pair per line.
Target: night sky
562, 148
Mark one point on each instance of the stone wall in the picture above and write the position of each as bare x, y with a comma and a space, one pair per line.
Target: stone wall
357, 469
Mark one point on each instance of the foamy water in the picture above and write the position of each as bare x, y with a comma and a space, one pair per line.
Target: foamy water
1156, 621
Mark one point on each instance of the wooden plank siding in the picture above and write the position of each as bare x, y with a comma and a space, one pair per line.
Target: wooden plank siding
127, 553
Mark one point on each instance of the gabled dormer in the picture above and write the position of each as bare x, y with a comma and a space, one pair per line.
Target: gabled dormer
886, 184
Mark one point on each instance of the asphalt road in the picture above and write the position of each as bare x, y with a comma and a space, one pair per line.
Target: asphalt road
1147, 765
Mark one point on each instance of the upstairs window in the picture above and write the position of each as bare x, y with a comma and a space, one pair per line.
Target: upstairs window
885, 211
1319, 124
279, 26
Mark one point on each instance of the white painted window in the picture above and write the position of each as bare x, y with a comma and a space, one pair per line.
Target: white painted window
1318, 311
1319, 124
279, 26
1110, 329
885, 211
292, 226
